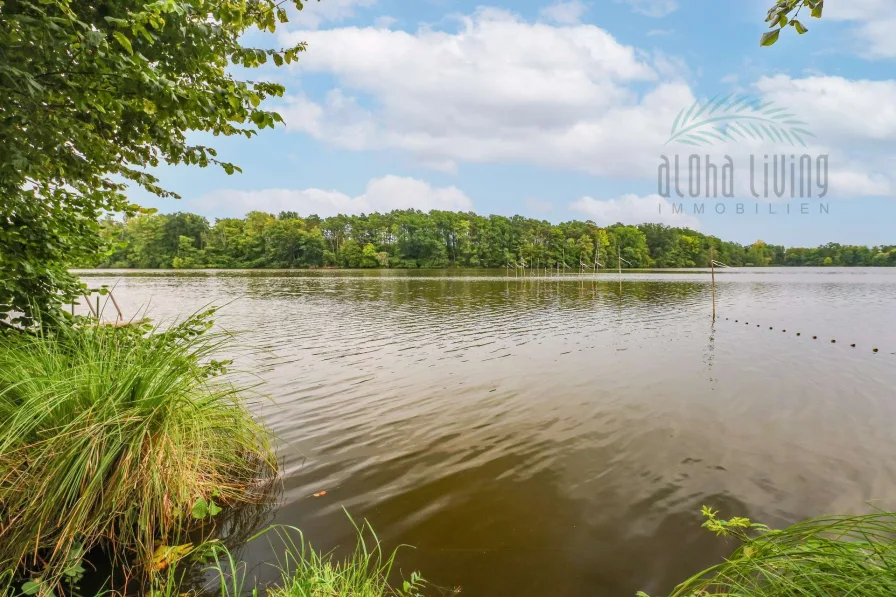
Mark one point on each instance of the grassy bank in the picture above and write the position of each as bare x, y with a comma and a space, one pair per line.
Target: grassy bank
117, 439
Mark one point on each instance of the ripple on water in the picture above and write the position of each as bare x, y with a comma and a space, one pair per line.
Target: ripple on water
547, 436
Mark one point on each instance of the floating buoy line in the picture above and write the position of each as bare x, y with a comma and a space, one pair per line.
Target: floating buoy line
833, 340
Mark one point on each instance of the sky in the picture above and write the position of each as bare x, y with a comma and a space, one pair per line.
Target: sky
564, 110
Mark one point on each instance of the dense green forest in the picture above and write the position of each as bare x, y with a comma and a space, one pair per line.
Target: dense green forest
413, 239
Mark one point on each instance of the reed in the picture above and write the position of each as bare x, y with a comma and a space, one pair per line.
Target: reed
833, 556
303, 571
365, 573
113, 438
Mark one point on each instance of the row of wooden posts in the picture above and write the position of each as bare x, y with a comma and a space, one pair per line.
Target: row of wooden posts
619, 260
582, 265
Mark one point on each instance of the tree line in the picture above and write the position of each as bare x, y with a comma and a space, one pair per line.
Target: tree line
414, 239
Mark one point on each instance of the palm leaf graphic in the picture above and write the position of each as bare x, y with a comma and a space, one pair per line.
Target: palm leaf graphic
737, 118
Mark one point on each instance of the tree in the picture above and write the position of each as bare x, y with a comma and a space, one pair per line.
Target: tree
784, 13
94, 93
412, 239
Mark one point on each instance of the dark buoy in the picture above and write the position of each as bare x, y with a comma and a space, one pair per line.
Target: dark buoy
852, 345
815, 337
798, 334
771, 328
783, 331
875, 350
833, 341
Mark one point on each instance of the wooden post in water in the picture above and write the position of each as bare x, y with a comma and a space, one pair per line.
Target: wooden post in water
712, 263
619, 258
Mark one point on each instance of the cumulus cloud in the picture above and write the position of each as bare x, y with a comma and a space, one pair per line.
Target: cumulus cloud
631, 209
384, 22
571, 97
564, 13
875, 23
498, 89
382, 195
837, 109
314, 14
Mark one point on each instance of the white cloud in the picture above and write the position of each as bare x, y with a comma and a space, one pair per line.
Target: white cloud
314, 14
384, 22
653, 8
501, 89
564, 13
660, 32
498, 89
730, 79
875, 23
382, 195
837, 109
631, 209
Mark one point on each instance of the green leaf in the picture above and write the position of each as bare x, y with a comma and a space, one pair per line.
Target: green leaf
213, 508
769, 38
31, 587
124, 41
818, 9
800, 28
200, 509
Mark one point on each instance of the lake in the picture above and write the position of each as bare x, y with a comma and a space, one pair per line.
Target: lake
557, 436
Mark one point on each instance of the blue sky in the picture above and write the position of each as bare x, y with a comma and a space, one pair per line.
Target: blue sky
560, 110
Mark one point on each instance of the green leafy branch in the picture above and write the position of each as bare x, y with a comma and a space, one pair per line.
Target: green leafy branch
737, 118
779, 17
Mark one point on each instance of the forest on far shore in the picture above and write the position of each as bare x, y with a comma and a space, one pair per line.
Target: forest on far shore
438, 239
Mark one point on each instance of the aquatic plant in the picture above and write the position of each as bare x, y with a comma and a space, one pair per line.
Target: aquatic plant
118, 438
303, 571
834, 556
365, 573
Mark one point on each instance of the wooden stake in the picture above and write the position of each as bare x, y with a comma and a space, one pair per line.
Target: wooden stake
712, 263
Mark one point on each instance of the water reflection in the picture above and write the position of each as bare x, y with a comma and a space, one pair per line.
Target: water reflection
544, 436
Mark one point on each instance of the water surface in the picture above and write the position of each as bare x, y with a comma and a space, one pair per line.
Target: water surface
547, 436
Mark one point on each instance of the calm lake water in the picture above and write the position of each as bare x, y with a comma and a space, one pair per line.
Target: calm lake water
536, 437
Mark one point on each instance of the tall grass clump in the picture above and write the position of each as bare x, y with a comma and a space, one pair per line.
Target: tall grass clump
303, 572
833, 556
365, 573
119, 438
